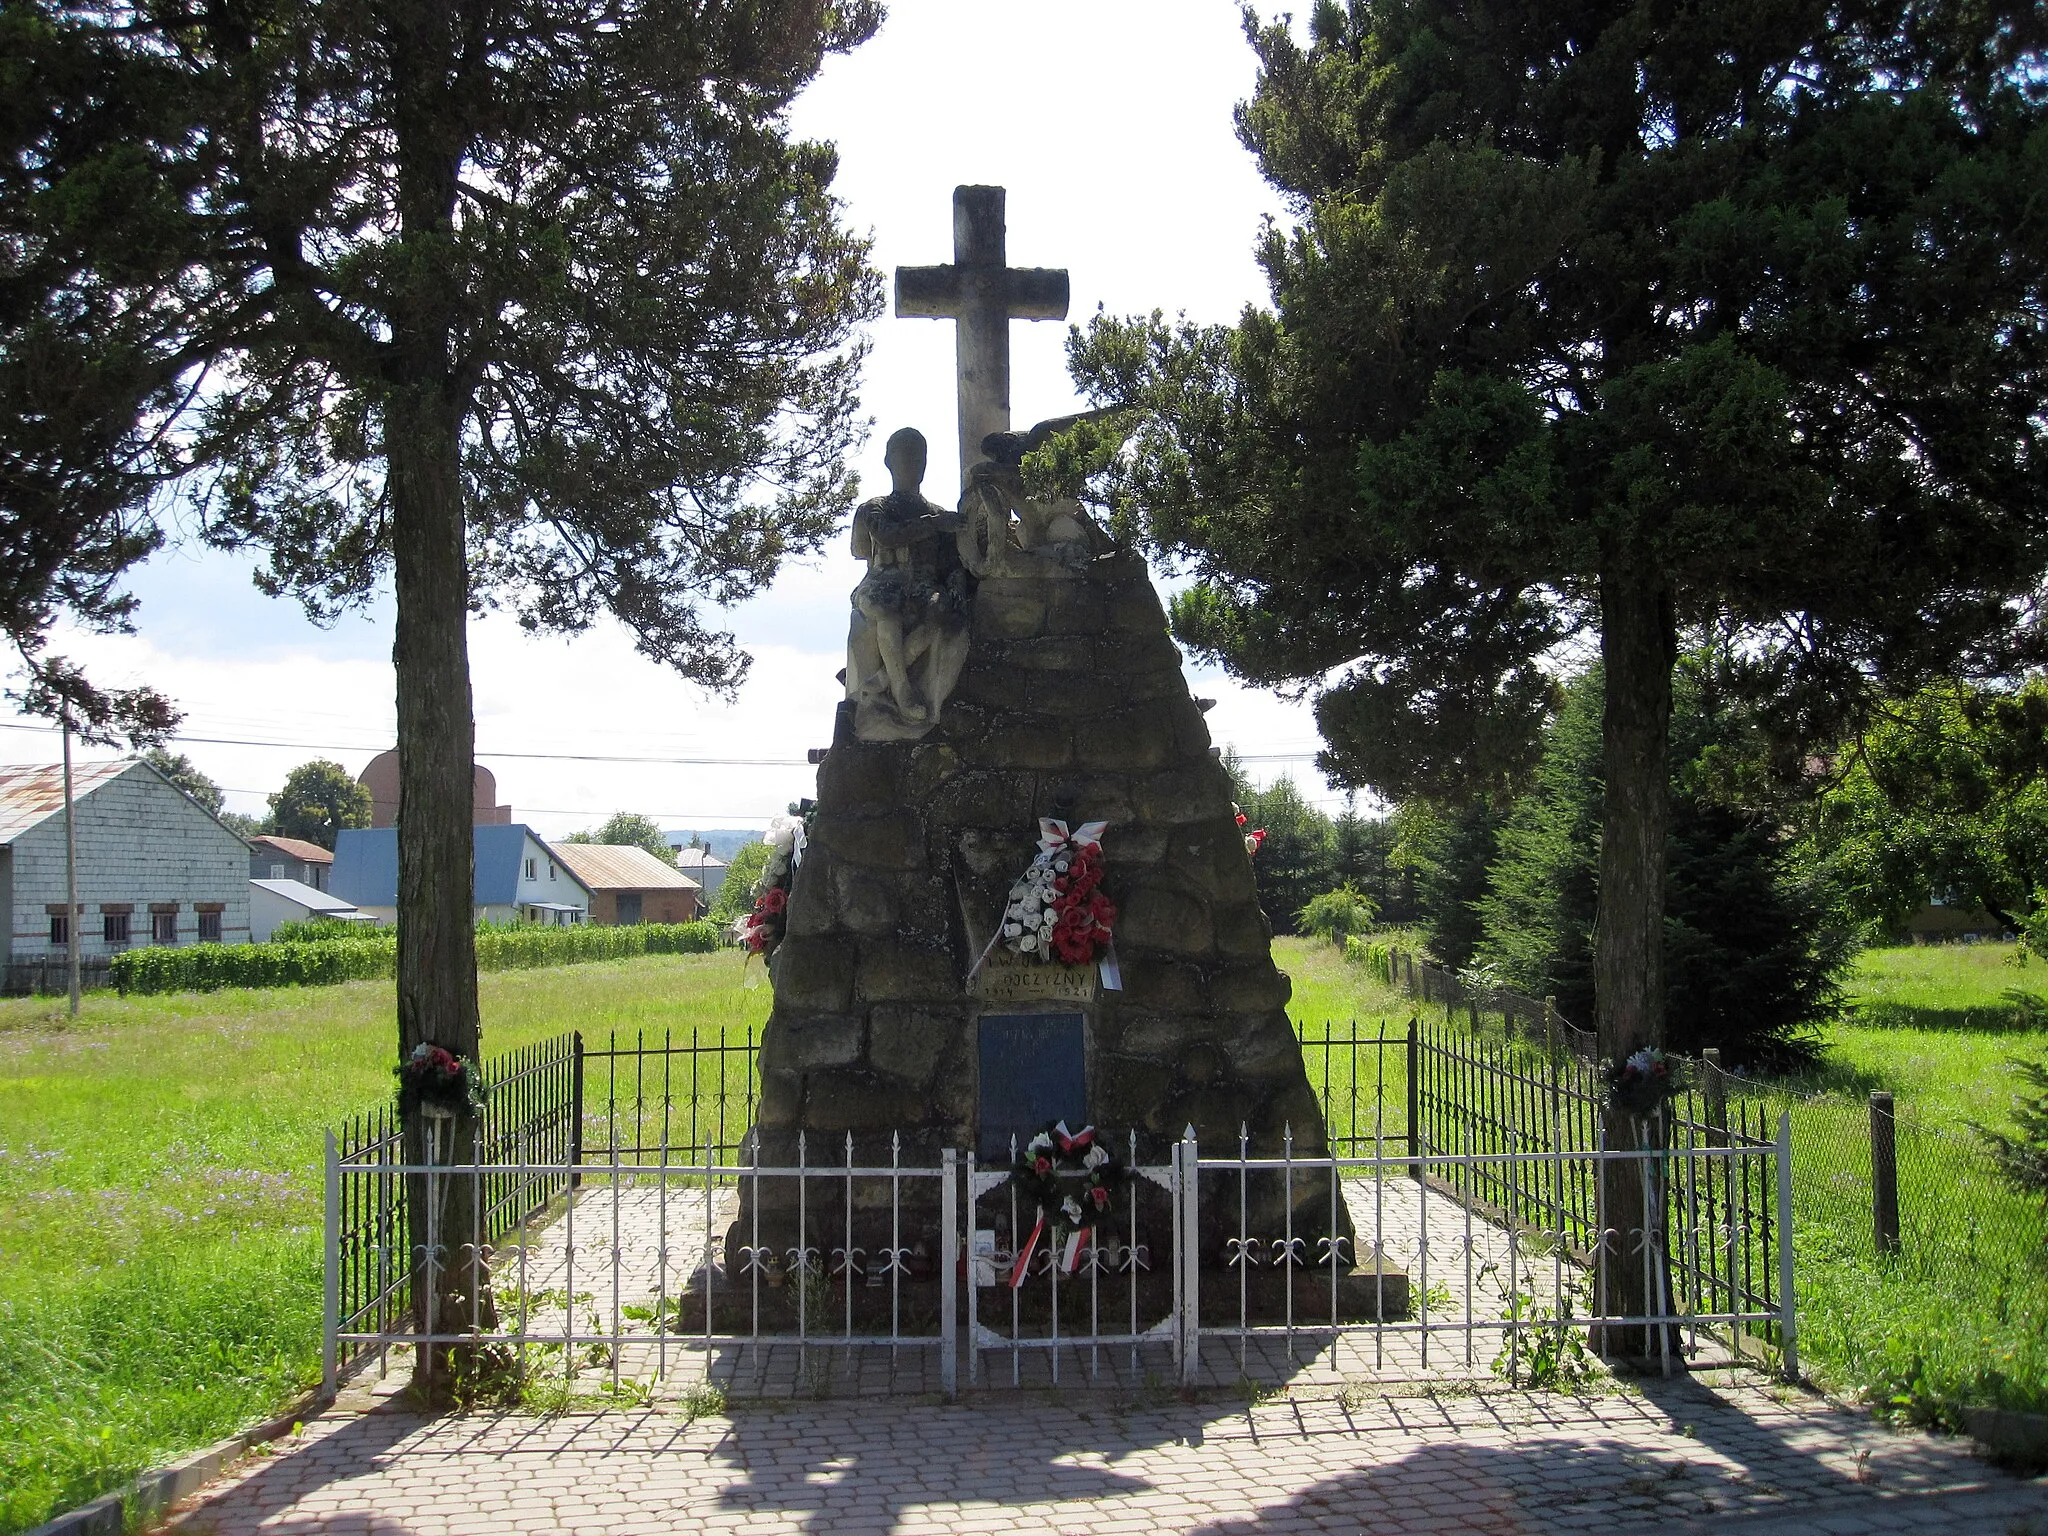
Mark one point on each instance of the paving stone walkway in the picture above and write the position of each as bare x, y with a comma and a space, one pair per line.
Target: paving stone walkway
1682, 1455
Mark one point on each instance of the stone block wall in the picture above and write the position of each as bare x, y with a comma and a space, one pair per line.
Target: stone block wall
1072, 704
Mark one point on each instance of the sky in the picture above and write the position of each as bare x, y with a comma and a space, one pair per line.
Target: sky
1110, 124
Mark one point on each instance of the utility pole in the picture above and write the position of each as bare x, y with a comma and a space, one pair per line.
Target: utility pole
70, 870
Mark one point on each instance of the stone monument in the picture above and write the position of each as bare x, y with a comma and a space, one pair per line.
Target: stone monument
1007, 663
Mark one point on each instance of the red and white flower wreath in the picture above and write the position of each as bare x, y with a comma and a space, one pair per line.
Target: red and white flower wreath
1056, 908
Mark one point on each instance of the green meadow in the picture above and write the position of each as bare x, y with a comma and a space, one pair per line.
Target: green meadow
160, 1184
160, 1195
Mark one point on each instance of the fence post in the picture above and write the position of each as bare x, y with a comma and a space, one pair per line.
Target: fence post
1715, 1092
1415, 1097
949, 1271
1190, 1259
1884, 1174
1788, 1321
330, 1294
576, 1110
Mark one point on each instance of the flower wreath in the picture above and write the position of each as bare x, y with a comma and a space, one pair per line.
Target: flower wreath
1073, 1210
437, 1077
1056, 910
1642, 1085
761, 928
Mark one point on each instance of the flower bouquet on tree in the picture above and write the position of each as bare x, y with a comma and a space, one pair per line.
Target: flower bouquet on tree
436, 1078
1056, 909
1642, 1085
1072, 1178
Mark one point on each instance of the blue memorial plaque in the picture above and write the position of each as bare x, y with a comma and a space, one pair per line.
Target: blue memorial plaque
1033, 1070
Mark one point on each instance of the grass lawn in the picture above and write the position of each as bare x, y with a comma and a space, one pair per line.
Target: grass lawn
1961, 1315
160, 1195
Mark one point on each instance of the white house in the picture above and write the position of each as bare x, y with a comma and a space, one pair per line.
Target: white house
289, 858
273, 902
518, 879
154, 866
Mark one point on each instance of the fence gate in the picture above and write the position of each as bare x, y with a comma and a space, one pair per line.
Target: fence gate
1111, 1301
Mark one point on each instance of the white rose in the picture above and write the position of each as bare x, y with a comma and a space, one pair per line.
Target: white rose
781, 834
1096, 1157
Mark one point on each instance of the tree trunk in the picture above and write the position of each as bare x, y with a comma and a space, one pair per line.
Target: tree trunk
424, 407
1638, 647
437, 995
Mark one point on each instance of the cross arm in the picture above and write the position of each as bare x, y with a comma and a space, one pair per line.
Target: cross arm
1037, 293
931, 293
934, 293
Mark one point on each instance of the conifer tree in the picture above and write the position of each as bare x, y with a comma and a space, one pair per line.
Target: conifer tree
537, 305
1610, 318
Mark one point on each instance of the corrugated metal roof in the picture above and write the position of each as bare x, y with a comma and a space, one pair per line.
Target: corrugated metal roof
31, 794
304, 894
698, 858
621, 867
297, 847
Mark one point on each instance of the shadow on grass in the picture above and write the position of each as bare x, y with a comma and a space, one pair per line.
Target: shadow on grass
2017, 1012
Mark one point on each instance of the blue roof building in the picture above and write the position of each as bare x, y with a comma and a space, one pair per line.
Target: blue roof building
518, 879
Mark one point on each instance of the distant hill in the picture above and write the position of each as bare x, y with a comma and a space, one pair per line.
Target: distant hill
722, 841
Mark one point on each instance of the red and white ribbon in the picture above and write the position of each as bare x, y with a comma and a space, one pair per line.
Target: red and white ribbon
1052, 833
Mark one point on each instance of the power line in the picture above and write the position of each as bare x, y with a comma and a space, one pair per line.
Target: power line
569, 757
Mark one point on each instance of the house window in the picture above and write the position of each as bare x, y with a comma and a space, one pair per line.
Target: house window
163, 927
114, 927
551, 869
209, 927
529, 869
60, 931
280, 871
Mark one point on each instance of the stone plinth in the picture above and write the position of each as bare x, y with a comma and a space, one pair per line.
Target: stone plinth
1072, 704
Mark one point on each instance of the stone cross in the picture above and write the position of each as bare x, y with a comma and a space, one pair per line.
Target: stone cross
983, 294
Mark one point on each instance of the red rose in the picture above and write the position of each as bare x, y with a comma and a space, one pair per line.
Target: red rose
1100, 1196
1042, 1164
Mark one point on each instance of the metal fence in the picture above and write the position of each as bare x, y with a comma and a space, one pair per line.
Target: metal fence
771, 1279
625, 1225
1508, 1124
1882, 1185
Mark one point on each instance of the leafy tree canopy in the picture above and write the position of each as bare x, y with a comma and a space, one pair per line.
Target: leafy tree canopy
318, 799
1599, 317
628, 829
178, 768
1945, 793
736, 891
540, 306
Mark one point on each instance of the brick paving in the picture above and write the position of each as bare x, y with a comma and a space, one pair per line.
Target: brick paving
1681, 1455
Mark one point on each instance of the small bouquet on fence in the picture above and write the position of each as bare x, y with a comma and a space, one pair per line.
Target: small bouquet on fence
1072, 1178
1642, 1085
437, 1078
